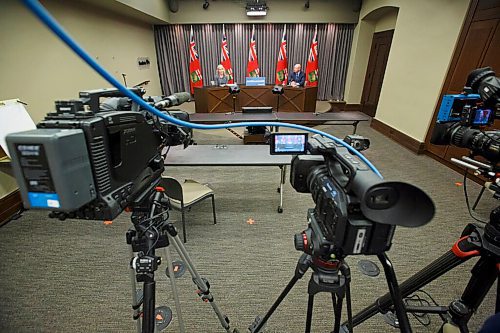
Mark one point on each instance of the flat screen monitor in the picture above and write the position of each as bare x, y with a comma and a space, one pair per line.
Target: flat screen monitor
288, 143
481, 117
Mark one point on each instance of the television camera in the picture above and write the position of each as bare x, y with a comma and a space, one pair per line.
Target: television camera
462, 118
355, 212
94, 155
98, 155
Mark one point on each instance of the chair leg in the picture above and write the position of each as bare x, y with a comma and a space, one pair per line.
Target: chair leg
213, 209
183, 223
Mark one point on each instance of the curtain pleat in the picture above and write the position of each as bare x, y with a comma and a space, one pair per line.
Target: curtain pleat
334, 46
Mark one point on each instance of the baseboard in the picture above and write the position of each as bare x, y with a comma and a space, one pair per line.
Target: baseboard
9, 205
352, 107
401, 138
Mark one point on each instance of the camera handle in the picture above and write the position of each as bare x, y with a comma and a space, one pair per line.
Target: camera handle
476, 241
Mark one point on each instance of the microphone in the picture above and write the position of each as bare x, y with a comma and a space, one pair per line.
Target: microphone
173, 100
124, 79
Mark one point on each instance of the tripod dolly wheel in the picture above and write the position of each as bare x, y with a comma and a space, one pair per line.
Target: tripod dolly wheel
280, 209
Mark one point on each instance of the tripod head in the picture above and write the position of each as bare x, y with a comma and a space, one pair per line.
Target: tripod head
149, 217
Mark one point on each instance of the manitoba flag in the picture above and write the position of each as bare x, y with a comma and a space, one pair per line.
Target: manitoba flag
312, 62
281, 67
224, 57
195, 78
253, 64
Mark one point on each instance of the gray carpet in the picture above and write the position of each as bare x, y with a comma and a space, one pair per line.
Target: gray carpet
73, 276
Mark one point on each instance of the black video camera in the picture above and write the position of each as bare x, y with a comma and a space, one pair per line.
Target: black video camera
92, 158
357, 142
356, 211
462, 118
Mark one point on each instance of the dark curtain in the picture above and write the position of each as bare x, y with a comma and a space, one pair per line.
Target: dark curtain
334, 46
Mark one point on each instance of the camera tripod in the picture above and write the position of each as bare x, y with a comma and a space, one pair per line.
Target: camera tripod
476, 241
333, 276
152, 231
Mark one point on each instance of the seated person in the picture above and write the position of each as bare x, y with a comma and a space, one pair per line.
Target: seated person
297, 78
221, 77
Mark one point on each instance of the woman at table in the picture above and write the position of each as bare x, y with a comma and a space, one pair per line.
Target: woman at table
221, 77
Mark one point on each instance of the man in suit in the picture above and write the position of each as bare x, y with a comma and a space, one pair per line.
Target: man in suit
297, 77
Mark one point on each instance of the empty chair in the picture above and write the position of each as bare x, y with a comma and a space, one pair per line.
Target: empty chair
184, 195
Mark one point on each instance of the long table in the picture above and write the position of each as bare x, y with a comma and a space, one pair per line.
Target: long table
218, 99
230, 155
335, 118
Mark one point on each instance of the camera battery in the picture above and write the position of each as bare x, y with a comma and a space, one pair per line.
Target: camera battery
54, 167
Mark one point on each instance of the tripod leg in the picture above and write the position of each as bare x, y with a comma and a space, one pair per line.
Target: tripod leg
397, 299
135, 301
338, 314
281, 188
349, 305
484, 274
438, 267
175, 293
302, 266
202, 284
310, 303
148, 306
334, 303
478, 198
497, 305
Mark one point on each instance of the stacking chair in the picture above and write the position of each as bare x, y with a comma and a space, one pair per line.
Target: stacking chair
184, 195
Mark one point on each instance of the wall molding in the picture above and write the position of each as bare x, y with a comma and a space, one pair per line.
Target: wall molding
352, 107
407, 141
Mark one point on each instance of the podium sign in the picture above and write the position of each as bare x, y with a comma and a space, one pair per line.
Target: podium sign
255, 81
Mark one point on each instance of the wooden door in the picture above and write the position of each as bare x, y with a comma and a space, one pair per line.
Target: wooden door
381, 45
478, 46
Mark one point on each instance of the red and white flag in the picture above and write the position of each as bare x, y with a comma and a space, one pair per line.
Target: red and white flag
224, 57
195, 77
312, 62
282, 66
253, 64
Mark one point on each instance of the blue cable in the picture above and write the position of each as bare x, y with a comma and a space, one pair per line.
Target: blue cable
38, 10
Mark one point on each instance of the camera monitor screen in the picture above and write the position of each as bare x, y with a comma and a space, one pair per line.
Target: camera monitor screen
481, 117
288, 143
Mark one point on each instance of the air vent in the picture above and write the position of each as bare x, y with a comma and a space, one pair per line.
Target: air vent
100, 162
127, 119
